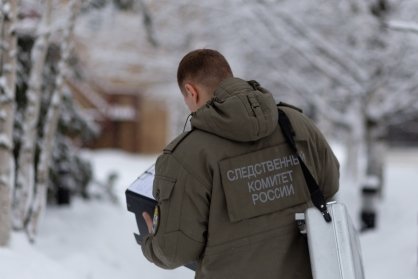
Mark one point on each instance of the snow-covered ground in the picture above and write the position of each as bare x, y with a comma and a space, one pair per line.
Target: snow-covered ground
94, 239
392, 251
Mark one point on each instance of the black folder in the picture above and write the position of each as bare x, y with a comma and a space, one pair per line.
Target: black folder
139, 199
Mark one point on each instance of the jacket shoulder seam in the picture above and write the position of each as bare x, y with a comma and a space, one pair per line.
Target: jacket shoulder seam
176, 142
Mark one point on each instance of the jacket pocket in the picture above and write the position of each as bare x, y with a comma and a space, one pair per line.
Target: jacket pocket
163, 187
164, 194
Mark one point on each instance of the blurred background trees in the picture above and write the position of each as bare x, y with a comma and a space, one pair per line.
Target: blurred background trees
44, 120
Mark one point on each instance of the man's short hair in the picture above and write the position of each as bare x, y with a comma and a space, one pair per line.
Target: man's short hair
206, 67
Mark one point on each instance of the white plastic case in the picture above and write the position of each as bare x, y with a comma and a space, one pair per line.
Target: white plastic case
334, 247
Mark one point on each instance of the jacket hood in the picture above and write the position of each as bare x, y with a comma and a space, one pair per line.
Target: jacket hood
238, 111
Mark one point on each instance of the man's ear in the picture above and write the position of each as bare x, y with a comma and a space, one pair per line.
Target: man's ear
192, 91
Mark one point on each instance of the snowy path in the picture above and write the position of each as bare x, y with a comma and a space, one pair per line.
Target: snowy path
94, 239
392, 251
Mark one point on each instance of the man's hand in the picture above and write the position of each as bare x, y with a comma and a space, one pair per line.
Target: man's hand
148, 221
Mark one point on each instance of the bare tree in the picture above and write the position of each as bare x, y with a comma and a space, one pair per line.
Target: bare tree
8, 11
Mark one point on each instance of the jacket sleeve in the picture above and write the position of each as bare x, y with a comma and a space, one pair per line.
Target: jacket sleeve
325, 164
179, 236
327, 168
329, 171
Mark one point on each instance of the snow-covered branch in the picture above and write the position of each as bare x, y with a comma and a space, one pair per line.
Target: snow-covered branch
339, 56
410, 27
331, 70
406, 102
404, 97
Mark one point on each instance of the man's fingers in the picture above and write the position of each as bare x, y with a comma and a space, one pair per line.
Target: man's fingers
148, 221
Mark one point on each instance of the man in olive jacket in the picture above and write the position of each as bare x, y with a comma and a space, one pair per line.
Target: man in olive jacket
228, 190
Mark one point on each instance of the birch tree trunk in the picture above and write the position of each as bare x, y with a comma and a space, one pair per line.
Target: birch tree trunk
25, 178
7, 108
376, 149
50, 128
355, 170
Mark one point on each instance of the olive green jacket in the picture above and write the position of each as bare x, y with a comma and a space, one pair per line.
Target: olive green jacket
228, 190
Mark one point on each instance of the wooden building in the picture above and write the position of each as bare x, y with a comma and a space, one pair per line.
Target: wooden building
127, 119
116, 81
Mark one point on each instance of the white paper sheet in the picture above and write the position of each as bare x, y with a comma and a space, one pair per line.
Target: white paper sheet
143, 184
